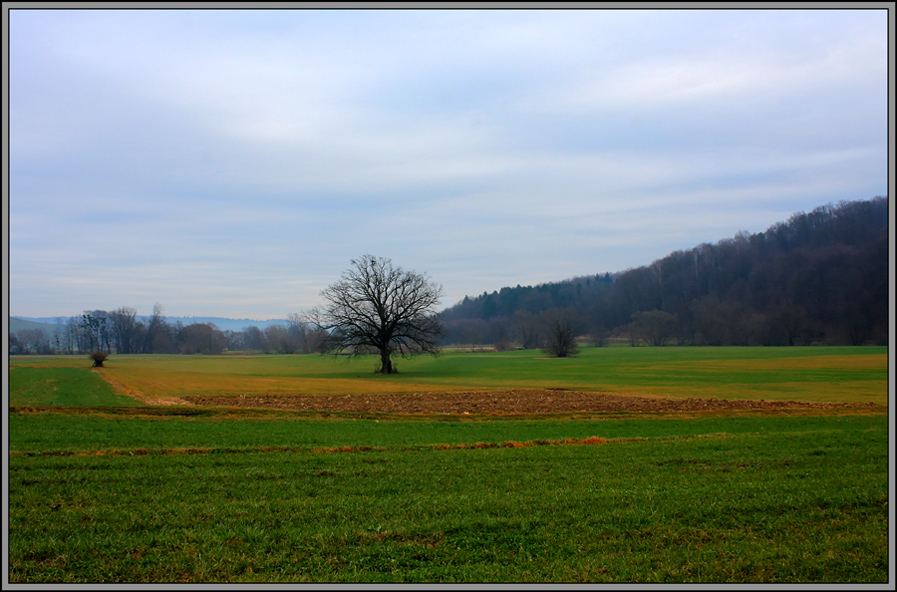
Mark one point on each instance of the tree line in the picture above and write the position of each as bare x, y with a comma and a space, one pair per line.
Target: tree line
819, 277
122, 331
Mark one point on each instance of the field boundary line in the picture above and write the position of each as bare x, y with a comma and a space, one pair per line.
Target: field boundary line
593, 440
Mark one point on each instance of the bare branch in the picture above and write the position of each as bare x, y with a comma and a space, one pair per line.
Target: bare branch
378, 306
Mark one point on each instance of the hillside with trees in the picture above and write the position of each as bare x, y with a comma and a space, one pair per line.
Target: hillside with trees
819, 277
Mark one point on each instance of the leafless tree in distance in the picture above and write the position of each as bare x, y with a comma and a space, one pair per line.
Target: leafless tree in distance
376, 305
561, 328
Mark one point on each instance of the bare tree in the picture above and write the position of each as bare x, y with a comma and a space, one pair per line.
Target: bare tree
376, 305
561, 327
70, 334
528, 329
93, 326
202, 338
126, 330
307, 338
234, 340
279, 339
656, 327
158, 338
254, 338
33, 341
15, 346
500, 333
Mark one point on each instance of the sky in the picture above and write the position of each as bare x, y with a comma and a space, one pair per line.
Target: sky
233, 163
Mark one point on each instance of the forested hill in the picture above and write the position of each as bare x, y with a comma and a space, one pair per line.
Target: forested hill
819, 277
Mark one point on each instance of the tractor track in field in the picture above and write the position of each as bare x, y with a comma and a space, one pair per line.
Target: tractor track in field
516, 401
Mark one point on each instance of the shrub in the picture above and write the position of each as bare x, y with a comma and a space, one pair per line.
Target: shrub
98, 357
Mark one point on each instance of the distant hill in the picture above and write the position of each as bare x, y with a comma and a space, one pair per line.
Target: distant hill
819, 277
226, 324
18, 324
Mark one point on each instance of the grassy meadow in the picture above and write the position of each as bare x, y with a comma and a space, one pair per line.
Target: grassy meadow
857, 374
105, 489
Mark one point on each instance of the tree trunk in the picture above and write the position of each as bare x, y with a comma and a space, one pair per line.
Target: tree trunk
385, 362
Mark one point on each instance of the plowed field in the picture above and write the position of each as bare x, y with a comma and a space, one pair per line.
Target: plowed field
524, 401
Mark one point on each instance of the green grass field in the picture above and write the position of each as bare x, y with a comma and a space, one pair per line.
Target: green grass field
62, 387
798, 373
104, 489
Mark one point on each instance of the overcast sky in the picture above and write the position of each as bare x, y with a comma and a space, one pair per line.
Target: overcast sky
232, 163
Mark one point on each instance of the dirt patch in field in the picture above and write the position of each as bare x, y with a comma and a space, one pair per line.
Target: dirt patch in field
135, 394
525, 401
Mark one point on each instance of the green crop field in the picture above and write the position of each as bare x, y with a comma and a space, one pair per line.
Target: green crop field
798, 373
106, 489
63, 387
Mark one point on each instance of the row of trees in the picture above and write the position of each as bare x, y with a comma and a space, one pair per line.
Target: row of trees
524, 330
819, 277
122, 331
375, 307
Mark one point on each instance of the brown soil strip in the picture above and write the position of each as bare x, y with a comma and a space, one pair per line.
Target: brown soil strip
524, 401
135, 394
